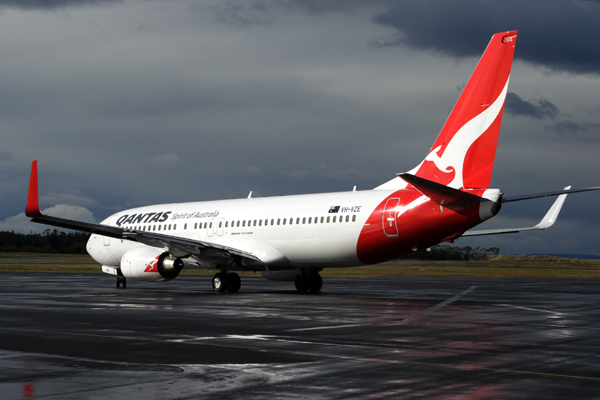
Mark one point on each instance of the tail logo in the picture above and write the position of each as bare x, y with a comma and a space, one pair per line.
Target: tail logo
450, 163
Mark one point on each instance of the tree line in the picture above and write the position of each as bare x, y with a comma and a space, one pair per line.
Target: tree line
443, 252
50, 241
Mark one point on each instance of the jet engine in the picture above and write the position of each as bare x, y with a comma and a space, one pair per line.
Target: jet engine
150, 264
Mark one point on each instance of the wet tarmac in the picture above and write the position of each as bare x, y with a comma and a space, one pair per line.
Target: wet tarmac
74, 336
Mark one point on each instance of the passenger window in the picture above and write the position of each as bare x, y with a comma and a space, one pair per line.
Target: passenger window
322, 219
196, 226
284, 221
184, 226
210, 226
174, 226
334, 218
354, 218
272, 222
238, 223
278, 221
309, 219
347, 218
297, 220
327, 219
220, 224
244, 223
304, 220
159, 227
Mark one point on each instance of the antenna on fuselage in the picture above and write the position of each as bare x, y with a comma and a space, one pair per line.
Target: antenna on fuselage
250, 195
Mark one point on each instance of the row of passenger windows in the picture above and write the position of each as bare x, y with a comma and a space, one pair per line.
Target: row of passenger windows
278, 221
256, 222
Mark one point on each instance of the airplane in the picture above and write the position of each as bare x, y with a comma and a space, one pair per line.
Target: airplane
294, 237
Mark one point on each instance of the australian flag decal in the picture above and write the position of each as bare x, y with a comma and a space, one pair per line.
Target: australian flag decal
334, 209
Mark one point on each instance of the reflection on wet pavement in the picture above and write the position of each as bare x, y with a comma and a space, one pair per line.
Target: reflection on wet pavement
76, 336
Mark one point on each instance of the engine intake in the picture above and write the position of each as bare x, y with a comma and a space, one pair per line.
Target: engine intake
150, 264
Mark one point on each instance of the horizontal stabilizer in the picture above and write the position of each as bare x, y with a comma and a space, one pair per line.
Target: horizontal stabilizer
441, 194
508, 199
546, 222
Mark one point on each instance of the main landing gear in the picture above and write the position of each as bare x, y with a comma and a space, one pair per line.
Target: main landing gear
123, 280
308, 281
223, 281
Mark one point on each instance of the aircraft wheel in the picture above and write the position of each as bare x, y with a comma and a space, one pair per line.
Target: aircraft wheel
233, 282
302, 283
316, 283
219, 282
121, 279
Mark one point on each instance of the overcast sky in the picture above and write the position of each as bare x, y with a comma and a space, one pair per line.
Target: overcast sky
136, 102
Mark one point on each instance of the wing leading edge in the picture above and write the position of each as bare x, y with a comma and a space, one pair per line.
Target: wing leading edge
177, 246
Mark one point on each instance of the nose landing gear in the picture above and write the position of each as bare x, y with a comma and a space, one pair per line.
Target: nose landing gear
123, 280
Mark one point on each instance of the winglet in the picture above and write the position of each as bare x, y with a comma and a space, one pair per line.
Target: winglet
552, 214
33, 210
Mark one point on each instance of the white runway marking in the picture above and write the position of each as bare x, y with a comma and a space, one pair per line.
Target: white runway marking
322, 327
438, 306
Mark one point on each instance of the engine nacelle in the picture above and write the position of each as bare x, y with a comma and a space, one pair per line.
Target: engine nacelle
150, 264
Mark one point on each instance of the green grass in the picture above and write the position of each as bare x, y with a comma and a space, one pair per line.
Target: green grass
502, 266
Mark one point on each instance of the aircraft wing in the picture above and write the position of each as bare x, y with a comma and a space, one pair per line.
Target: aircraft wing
177, 246
546, 222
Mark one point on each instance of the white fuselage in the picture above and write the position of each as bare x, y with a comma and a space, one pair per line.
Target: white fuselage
285, 232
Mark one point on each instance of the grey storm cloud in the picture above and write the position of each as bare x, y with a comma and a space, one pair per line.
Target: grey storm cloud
571, 126
265, 12
563, 35
136, 102
52, 4
539, 109
587, 132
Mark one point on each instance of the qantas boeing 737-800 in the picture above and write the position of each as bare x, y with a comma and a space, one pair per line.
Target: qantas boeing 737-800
295, 237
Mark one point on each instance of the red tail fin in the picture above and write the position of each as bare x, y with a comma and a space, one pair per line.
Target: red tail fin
463, 154
33, 210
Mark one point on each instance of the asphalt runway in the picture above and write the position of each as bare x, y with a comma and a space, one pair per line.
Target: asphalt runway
74, 336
